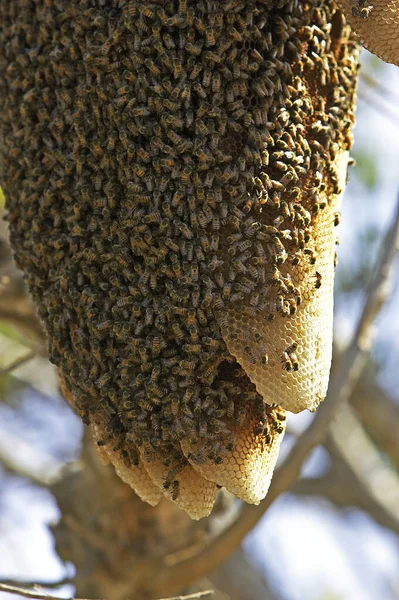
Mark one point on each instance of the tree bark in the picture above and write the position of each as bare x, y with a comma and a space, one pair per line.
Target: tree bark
112, 537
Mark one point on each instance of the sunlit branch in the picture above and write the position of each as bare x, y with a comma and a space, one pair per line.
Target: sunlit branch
37, 583
379, 415
373, 475
342, 489
19, 362
36, 595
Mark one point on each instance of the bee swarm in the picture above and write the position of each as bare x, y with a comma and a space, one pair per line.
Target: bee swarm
172, 171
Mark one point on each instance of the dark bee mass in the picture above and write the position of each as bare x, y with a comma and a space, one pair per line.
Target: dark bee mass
154, 157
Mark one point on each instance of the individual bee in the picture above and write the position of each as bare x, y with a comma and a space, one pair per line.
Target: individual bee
195, 71
104, 326
140, 111
176, 198
156, 345
177, 330
241, 415
174, 405
185, 175
195, 297
146, 11
264, 360
207, 299
175, 490
216, 82
202, 428
286, 360
177, 68
318, 280
230, 409
291, 348
194, 271
280, 306
103, 380
294, 362
311, 254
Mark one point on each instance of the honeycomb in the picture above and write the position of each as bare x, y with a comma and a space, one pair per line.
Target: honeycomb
377, 25
289, 358
172, 172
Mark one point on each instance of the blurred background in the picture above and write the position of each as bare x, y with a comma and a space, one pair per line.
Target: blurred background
326, 539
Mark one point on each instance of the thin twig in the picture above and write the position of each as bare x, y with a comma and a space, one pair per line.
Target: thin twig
384, 110
382, 90
205, 594
22, 360
26, 593
342, 383
27, 324
42, 584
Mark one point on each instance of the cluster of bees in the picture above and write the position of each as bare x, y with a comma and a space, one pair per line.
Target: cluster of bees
162, 161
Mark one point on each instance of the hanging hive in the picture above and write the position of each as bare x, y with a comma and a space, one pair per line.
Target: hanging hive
172, 172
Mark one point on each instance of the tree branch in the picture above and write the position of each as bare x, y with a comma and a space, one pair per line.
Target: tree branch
43, 476
340, 488
40, 584
27, 323
379, 415
378, 482
205, 594
383, 108
26, 593
382, 90
22, 360
16, 307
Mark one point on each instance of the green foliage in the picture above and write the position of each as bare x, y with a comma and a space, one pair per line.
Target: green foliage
366, 169
12, 333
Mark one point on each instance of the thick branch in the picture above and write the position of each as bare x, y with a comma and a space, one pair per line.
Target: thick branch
380, 484
117, 554
343, 490
379, 415
242, 580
